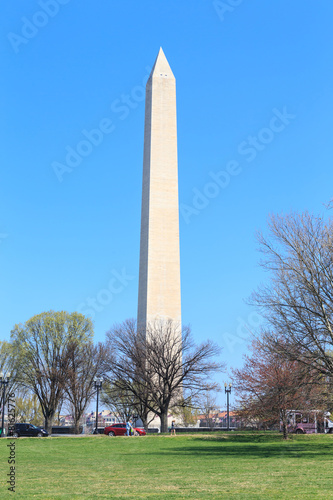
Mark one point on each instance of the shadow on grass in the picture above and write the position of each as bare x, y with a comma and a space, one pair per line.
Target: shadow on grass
255, 451
255, 445
244, 437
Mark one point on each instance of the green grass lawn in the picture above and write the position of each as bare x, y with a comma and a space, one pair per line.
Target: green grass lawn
196, 466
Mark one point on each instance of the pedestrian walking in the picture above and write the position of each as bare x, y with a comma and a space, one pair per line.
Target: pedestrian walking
173, 429
128, 428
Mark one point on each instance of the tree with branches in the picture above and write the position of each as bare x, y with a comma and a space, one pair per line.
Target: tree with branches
187, 411
84, 362
269, 387
298, 300
123, 403
210, 408
40, 350
161, 364
7, 366
120, 402
27, 408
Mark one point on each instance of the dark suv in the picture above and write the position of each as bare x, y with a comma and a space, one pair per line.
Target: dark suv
27, 430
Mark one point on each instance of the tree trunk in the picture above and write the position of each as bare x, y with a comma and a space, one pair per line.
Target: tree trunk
77, 426
284, 420
144, 419
76, 418
164, 421
48, 422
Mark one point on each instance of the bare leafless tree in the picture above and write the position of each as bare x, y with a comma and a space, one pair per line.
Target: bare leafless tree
329, 205
160, 364
209, 407
84, 362
120, 402
298, 300
124, 404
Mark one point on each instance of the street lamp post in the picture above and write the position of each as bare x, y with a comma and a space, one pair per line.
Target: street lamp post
98, 385
3, 382
228, 392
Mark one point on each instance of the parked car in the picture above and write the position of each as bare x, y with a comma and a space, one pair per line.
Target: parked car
120, 430
28, 430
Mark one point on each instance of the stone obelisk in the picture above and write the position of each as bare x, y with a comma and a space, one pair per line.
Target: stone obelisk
159, 277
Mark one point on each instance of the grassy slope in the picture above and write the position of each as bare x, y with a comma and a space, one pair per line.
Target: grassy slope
242, 466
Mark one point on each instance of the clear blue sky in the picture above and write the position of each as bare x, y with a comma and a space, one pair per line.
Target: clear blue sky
83, 67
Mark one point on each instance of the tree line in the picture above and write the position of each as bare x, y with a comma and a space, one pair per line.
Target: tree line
145, 373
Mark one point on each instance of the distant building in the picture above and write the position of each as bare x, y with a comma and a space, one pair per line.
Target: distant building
88, 420
219, 419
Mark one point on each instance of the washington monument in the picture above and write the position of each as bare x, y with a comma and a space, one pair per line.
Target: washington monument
159, 276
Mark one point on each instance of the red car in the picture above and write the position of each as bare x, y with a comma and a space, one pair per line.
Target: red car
120, 430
